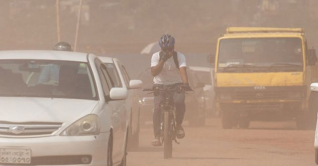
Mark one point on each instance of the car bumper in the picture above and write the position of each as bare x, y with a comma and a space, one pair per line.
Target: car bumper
68, 149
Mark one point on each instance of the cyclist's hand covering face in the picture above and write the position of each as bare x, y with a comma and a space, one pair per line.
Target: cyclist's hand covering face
167, 53
164, 56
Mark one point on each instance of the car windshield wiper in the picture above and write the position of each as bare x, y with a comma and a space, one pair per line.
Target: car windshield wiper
285, 64
240, 65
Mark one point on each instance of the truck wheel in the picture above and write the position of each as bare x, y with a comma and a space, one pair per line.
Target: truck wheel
300, 122
312, 118
306, 121
244, 123
227, 120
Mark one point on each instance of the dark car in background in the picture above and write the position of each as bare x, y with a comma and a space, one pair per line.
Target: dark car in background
195, 100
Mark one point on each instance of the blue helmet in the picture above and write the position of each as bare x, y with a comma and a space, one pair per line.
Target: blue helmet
166, 42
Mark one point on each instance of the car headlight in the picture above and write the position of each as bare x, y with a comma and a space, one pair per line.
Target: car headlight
225, 96
294, 95
142, 101
88, 125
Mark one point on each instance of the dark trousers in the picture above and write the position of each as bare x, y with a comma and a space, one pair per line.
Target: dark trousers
178, 99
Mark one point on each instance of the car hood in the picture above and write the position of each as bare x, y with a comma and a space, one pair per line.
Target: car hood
19, 110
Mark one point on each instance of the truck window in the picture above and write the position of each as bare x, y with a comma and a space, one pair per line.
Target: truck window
260, 51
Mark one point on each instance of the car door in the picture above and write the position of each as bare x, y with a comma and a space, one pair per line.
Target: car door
118, 113
126, 81
134, 114
118, 82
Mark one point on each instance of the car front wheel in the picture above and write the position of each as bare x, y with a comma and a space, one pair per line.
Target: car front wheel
110, 151
124, 160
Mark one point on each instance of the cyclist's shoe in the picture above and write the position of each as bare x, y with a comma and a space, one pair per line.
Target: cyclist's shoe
156, 142
180, 131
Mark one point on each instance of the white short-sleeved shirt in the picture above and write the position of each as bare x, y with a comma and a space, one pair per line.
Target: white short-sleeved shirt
170, 73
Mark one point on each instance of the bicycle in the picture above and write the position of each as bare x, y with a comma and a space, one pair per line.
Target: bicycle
168, 123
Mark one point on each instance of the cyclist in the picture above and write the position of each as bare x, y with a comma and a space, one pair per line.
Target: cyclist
169, 68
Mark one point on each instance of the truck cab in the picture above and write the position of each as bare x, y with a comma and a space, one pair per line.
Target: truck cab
263, 74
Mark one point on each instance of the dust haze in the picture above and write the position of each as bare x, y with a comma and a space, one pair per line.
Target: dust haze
122, 28
125, 27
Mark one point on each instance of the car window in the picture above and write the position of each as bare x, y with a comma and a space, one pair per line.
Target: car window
47, 78
113, 73
106, 85
106, 76
125, 75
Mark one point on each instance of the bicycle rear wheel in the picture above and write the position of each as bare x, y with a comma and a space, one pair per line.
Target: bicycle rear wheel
167, 140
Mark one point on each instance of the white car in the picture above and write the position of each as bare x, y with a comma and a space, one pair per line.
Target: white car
313, 105
205, 75
60, 108
121, 79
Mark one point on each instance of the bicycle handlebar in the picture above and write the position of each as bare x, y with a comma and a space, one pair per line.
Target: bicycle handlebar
169, 89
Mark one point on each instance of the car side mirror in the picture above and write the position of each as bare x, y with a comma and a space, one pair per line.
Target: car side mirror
135, 84
211, 58
118, 94
311, 57
314, 87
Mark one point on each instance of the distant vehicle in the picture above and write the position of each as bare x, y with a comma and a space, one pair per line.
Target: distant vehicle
264, 74
195, 101
313, 105
121, 79
205, 75
74, 117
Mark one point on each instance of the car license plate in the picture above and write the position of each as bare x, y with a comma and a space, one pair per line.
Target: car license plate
15, 156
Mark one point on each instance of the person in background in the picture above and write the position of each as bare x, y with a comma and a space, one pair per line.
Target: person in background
50, 73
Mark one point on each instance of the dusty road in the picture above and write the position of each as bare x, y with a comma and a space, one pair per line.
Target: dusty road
264, 144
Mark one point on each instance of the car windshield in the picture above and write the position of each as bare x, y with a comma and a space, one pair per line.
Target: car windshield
40, 78
260, 51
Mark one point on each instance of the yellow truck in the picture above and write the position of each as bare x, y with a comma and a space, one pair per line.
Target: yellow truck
263, 74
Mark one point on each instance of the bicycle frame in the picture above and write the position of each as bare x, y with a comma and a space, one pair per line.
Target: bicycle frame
168, 123
168, 106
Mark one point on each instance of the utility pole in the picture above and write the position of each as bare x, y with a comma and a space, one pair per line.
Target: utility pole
58, 20
78, 24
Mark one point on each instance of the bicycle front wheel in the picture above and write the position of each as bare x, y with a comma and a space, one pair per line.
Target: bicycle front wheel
167, 140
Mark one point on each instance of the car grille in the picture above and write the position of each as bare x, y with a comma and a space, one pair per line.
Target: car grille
27, 129
260, 106
261, 95
253, 107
